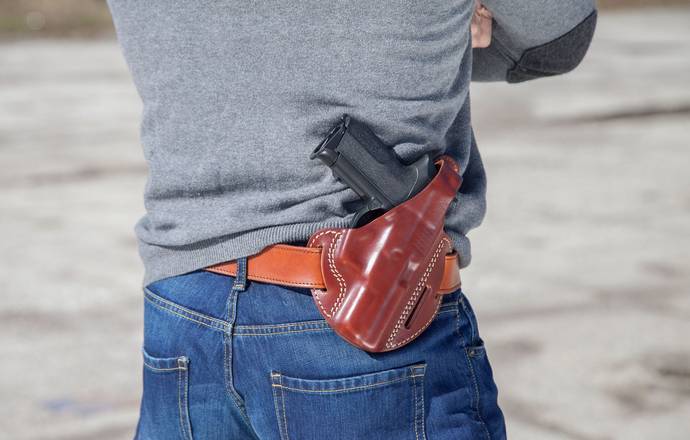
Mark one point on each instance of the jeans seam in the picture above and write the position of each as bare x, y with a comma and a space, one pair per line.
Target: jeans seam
415, 409
345, 390
319, 325
473, 331
270, 326
457, 325
419, 424
183, 312
278, 394
466, 346
287, 436
183, 403
231, 306
287, 332
477, 403
422, 410
155, 369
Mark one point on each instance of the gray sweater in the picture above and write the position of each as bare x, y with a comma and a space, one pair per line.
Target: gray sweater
236, 94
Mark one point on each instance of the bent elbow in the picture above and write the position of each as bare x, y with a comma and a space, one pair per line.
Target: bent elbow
556, 57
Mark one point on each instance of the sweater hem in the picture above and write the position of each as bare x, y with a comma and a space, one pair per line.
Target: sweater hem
164, 262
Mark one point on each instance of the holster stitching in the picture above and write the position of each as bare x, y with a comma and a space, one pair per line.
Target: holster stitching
410, 304
331, 265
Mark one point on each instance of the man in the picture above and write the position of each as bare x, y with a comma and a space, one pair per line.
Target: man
236, 95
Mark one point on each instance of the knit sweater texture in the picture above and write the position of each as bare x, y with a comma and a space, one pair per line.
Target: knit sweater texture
237, 94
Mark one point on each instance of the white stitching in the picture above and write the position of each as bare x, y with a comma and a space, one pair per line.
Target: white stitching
410, 304
329, 231
333, 269
343, 287
341, 280
421, 329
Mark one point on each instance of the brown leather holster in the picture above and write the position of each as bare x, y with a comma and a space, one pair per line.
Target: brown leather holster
382, 279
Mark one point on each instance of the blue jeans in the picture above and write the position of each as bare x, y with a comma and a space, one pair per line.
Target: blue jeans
225, 358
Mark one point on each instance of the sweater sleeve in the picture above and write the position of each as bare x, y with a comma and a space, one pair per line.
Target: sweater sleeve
534, 38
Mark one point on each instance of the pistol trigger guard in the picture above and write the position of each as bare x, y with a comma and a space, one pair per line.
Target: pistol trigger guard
365, 215
358, 216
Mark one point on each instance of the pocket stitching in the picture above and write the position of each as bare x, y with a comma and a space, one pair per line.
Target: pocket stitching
411, 372
155, 369
419, 406
159, 365
345, 390
282, 421
379, 378
287, 436
183, 401
162, 364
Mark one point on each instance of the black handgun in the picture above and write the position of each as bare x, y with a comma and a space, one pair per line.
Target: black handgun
358, 158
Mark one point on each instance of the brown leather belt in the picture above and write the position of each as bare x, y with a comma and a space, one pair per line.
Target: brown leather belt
300, 266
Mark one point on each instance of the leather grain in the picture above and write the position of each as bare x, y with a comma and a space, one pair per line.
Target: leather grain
383, 279
300, 266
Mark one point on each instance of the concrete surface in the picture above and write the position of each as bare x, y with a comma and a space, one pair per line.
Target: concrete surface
581, 271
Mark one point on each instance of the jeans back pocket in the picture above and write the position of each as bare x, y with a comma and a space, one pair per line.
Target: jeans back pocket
386, 404
164, 411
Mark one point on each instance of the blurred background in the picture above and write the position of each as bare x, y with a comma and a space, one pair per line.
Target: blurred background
581, 270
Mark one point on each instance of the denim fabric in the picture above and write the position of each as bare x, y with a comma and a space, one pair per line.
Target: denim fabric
257, 361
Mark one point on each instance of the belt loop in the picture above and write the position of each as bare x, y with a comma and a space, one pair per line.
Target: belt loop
241, 276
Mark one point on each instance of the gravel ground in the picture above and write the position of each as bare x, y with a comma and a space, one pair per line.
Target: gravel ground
581, 270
